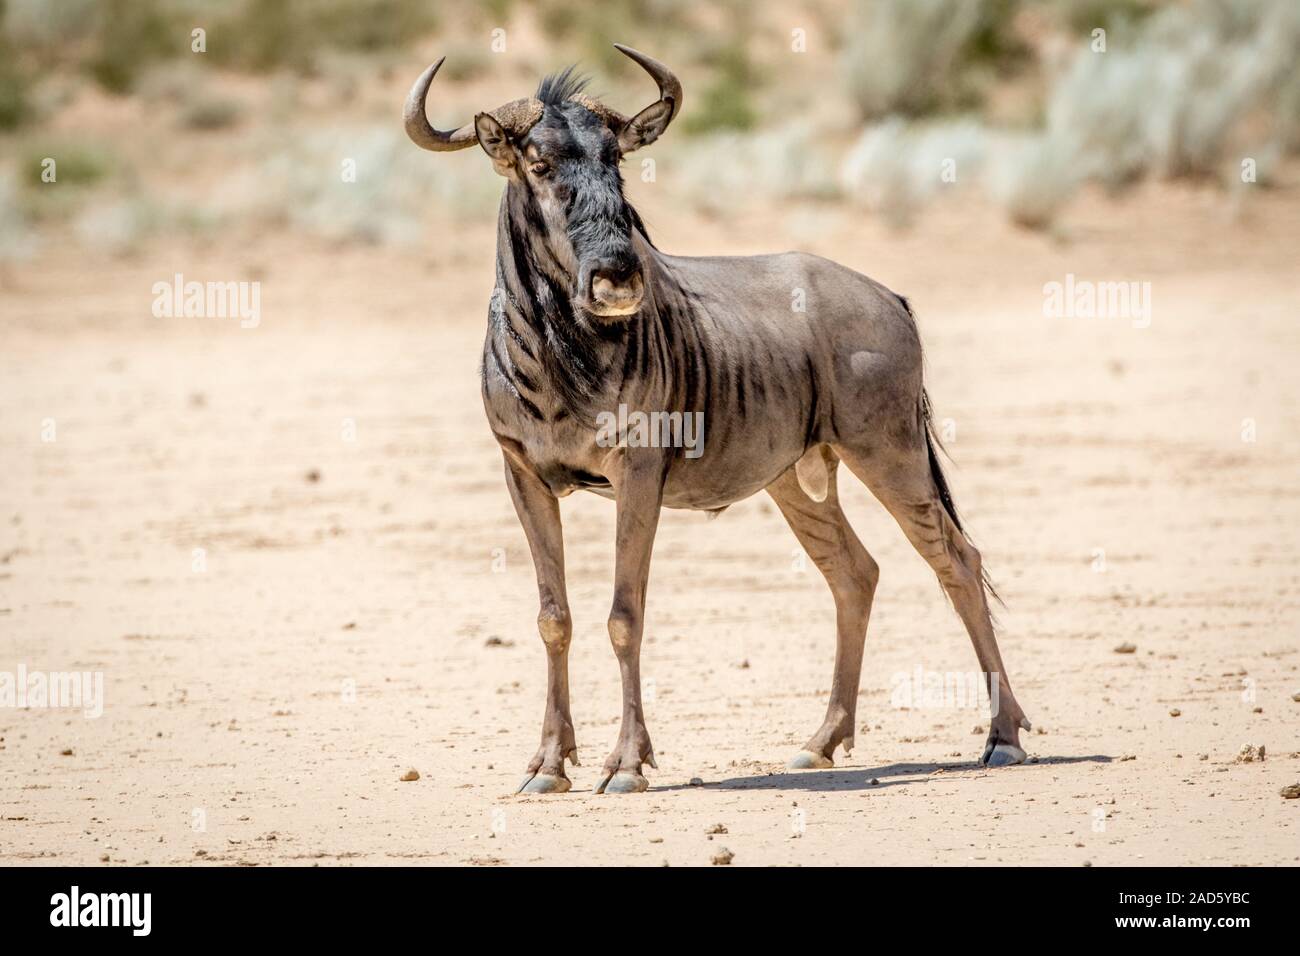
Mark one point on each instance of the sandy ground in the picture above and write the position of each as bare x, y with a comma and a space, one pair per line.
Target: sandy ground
379, 617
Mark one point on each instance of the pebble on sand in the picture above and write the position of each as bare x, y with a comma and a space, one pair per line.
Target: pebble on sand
723, 857
1291, 791
1128, 647
1175, 712
411, 775
1250, 753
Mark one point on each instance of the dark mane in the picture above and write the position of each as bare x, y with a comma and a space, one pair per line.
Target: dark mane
558, 87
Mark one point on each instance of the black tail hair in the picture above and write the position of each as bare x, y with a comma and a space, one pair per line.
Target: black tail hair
933, 445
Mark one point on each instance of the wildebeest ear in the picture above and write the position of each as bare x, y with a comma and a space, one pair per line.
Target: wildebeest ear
492, 137
646, 127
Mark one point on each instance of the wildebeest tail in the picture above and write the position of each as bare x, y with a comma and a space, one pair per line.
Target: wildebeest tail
933, 446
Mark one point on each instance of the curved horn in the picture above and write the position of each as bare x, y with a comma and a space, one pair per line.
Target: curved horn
670, 90
422, 133
517, 117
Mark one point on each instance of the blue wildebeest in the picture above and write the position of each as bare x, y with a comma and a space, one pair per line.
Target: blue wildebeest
589, 317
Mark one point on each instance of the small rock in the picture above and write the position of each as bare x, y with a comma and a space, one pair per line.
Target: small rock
103, 858
723, 857
1249, 754
696, 782
656, 839
1291, 791
1128, 647
976, 730
716, 828
411, 775
1175, 712
312, 476
497, 642
875, 781
67, 752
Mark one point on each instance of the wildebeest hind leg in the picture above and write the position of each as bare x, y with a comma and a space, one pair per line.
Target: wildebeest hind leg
907, 484
826, 536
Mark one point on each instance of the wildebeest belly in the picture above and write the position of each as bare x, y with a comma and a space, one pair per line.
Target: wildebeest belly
736, 459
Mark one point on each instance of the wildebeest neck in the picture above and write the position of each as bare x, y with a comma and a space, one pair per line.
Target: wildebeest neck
541, 338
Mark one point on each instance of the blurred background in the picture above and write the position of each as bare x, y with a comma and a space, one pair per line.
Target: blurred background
853, 103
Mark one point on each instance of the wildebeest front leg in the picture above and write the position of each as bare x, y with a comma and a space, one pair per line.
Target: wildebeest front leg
539, 513
638, 483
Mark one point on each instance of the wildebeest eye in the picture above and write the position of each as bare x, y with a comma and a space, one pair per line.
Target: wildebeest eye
540, 168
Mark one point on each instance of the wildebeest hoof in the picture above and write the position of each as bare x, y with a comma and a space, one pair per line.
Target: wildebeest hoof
1003, 755
807, 760
623, 782
544, 783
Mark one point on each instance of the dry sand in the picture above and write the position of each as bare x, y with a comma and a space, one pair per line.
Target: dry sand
379, 617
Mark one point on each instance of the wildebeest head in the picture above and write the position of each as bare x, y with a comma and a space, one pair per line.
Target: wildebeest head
561, 149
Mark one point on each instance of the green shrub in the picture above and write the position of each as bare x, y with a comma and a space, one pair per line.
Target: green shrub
76, 164
1084, 16
919, 57
726, 102
291, 34
210, 112
15, 106
130, 35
